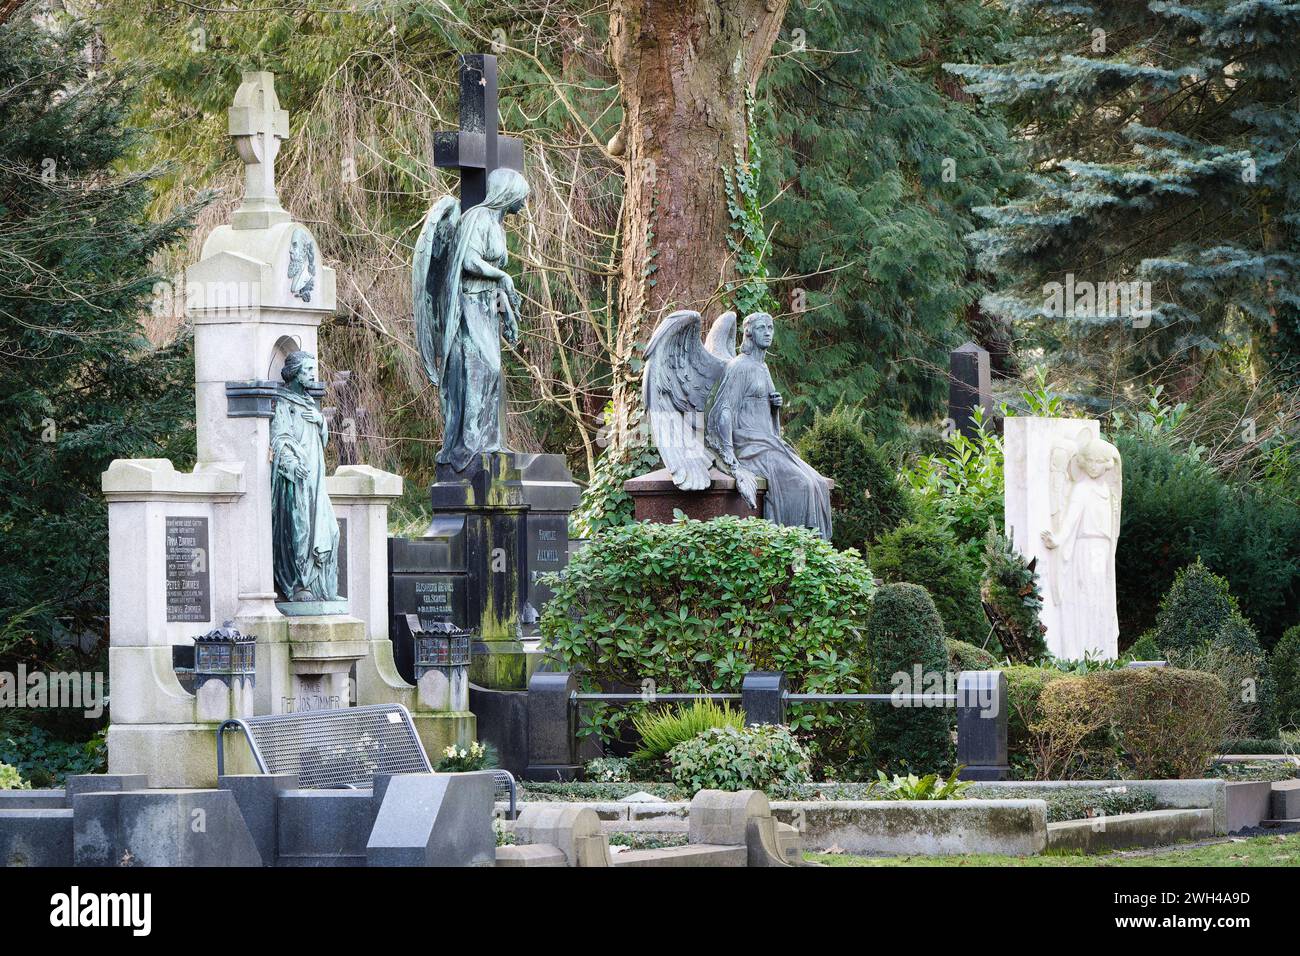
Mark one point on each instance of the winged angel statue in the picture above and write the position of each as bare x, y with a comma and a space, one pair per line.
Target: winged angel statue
1085, 488
464, 302
688, 382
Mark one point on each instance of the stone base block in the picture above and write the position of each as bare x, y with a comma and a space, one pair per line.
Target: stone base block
161, 828
36, 837
1249, 802
439, 731
655, 498
1286, 800
1130, 830
174, 755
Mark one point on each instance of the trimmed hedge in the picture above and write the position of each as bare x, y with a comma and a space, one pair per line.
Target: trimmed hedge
904, 633
1284, 667
968, 657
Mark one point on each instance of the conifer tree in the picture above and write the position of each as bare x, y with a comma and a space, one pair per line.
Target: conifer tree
1165, 150
79, 383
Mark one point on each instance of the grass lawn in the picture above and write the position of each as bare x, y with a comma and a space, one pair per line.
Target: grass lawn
1256, 851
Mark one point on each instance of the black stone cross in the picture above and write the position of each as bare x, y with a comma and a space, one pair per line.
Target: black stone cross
969, 387
476, 149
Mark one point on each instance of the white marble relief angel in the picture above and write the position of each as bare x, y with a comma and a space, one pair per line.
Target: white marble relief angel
1085, 490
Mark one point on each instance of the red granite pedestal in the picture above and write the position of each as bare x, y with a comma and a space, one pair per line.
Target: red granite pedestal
655, 497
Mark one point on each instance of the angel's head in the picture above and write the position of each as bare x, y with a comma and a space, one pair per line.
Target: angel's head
506, 189
757, 331
1096, 456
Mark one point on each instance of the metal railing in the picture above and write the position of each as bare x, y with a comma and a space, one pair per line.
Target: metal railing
980, 702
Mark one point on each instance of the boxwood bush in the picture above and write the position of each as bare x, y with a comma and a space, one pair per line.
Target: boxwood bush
696, 605
868, 499
927, 553
904, 633
1284, 666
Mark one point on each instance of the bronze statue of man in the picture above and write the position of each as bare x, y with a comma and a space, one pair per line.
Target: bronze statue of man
304, 531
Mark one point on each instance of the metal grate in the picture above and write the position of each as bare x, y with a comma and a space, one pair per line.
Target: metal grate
329, 749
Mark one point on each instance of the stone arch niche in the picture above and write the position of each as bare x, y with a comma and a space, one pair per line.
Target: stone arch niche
284, 346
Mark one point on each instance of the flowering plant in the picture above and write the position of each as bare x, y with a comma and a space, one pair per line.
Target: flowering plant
462, 759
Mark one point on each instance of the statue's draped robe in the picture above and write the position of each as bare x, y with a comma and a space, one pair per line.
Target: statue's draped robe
470, 389
742, 419
1089, 622
304, 530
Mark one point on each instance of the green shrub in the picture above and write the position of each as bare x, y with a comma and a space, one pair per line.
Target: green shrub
47, 762
1151, 722
10, 779
1284, 667
1074, 803
662, 730
961, 487
604, 503
1145, 648
476, 756
968, 657
695, 605
930, 787
1200, 627
926, 553
608, 770
1168, 722
1012, 600
868, 499
765, 757
904, 633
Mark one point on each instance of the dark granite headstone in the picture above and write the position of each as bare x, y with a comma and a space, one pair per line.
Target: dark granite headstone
189, 580
969, 387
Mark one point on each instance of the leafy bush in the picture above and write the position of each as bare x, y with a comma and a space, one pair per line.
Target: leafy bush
962, 487
1024, 688
662, 730
904, 634
1145, 648
930, 787
47, 762
1247, 687
1284, 667
1068, 732
694, 606
1012, 600
968, 657
765, 757
868, 499
11, 779
926, 553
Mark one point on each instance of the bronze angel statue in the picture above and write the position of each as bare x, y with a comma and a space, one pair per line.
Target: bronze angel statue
689, 383
465, 302
1085, 489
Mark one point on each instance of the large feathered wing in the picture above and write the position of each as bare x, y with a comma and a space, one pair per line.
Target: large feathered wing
680, 376
432, 289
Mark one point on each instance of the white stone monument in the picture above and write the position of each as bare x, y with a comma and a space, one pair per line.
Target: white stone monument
190, 551
1062, 507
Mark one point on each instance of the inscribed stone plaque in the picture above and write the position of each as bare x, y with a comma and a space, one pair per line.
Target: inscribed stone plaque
547, 541
189, 582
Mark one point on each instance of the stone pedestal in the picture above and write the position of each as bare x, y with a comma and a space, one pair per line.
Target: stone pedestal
655, 498
496, 527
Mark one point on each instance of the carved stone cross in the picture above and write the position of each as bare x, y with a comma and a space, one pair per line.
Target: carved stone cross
476, 149
258, 125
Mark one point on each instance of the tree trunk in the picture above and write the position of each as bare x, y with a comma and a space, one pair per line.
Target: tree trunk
685, 68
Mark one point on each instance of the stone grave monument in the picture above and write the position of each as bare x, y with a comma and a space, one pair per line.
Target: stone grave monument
190, 551
1062, 507
500, 517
